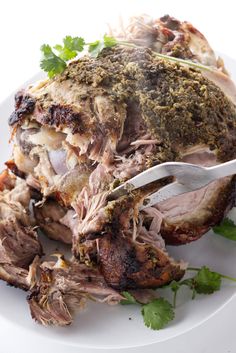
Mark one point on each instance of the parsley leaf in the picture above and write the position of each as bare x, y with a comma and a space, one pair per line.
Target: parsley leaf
50, 62
227, 229
206, 281
157, 314
129, 299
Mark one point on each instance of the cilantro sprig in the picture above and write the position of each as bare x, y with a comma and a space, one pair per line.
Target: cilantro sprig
205, 281
54, 60
159, 312
156, 314
227, 229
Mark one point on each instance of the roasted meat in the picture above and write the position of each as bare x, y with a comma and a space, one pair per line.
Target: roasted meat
19, 244
104, 120
63, 288
49, 217
129, 265
127, 247
169, 36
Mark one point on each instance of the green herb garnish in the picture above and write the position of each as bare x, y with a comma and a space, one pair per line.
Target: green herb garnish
157, 314
96, 47
129, 299
227, 229
55, 64
50, 62
71, 47
204, 282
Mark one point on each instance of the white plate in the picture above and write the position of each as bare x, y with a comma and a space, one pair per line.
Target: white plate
101, 326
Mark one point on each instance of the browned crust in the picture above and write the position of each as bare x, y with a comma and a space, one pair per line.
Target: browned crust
63, 115
128, 265
11, 165
24, 105
180, 234
6, 181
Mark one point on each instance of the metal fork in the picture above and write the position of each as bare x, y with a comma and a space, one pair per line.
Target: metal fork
189, 177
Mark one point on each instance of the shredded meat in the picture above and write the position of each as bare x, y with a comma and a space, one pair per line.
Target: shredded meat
48, 217
19, 244
63, 288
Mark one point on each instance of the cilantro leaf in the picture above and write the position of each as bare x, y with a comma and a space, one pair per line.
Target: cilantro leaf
157, 313
50, 62
70, 48
129, 299
227, 229
96, 47
65, 53
74, 43
206, 281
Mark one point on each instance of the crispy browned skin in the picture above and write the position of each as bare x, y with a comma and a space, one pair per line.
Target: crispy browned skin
11, 165
129, 265
125, 263
24, 105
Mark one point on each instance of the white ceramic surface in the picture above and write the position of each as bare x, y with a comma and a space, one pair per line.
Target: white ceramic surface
101, 326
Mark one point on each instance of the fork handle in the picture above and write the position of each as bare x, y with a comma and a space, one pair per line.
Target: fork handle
223, 170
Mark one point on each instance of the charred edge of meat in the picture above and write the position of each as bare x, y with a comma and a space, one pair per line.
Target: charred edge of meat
11, 165
128, 265
59, 115
183, 234
24, 105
